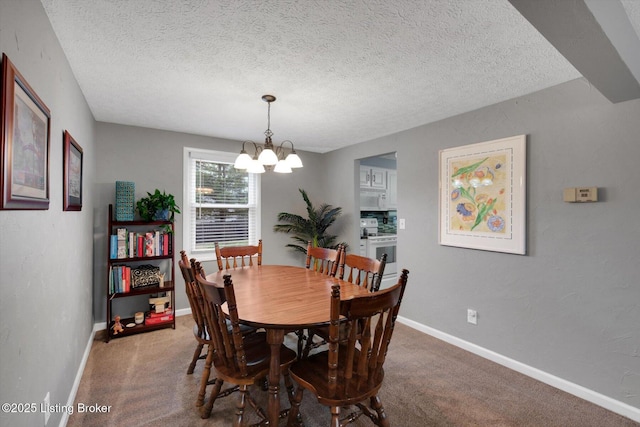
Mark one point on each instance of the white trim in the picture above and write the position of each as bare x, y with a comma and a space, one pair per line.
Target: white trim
594, 397
76, 382
255, 187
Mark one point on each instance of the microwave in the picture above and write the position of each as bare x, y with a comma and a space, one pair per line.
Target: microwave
373, 201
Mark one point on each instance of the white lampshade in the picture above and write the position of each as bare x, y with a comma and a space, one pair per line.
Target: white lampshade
255, 167
242, 161
268, 157
282, 167
293, 160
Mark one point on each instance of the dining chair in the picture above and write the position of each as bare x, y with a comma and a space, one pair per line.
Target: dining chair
323, 260
197, 312
241, 360
238, 256
351, 373
362, 271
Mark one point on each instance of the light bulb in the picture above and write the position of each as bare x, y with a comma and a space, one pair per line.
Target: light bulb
268, 157
242, 161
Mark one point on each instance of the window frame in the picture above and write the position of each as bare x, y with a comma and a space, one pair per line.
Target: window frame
188, 193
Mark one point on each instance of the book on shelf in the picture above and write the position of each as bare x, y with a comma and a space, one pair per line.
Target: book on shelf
155, 318
122, 242
148, 244
113, 246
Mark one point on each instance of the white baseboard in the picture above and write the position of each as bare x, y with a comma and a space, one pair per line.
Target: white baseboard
76, 382
559, 383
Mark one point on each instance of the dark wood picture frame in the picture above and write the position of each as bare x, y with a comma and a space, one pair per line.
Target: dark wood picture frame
24, 141
72, 173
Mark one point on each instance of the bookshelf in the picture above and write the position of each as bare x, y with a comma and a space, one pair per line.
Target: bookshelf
139, 253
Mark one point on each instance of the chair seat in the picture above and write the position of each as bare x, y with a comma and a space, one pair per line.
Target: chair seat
258, 356
200, 333
312, 371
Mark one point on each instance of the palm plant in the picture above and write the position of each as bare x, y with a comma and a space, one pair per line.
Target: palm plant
313, 228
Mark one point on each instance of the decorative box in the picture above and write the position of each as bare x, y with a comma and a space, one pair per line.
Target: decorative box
145, 275
125, 200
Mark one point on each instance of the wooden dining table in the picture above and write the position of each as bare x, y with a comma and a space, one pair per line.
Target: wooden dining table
280, 298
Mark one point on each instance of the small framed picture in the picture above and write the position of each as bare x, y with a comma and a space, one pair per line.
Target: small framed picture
72, 174
483, 195
25, 129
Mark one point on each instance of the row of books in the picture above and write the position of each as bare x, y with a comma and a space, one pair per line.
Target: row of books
119, 279
130, 244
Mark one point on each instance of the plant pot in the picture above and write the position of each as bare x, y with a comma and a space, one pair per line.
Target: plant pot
162, 215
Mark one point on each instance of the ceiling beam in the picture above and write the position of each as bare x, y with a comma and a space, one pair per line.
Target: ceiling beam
596, 38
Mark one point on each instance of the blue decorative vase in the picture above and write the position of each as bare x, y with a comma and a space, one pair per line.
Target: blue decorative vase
162, 215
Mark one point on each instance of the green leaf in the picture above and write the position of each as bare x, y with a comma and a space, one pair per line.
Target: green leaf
311, 229
469, 168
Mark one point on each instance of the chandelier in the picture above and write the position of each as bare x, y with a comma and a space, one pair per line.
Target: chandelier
268, 157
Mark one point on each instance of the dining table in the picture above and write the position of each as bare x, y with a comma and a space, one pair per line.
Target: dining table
282, 298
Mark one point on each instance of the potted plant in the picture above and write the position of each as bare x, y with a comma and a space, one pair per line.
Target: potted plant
157, 207
312, 229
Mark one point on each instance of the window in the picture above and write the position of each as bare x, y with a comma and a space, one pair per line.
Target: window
221, 204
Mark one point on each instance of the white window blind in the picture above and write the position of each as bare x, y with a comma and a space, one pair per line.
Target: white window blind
222, 204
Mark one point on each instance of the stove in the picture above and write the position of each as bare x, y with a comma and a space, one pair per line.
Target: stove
373, 244
368, 227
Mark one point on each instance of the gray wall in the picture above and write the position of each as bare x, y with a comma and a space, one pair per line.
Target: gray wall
570, 306
45, 256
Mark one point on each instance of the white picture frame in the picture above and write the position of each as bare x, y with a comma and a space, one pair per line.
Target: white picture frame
483, 196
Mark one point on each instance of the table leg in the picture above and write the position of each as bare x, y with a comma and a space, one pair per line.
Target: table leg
275, 338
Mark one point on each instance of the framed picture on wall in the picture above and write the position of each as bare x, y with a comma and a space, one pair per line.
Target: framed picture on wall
25, 128
72, 174
483, 196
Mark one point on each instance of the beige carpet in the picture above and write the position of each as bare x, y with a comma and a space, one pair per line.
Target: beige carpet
428, 383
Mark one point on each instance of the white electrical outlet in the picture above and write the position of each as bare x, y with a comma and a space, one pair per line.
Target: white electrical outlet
401, 224
47, 403
472, 316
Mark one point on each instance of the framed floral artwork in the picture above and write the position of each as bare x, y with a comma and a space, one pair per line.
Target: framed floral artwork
483, 196
24, 155
72, 174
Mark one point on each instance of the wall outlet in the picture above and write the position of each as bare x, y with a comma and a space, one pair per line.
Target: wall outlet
472, 316
401, 224
47, 403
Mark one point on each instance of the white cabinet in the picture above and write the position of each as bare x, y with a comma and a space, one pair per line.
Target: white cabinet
373, 178
392, 189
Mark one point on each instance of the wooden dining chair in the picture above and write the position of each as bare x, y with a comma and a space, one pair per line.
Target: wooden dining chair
197, 312
241, 360
359, 270
351, 373
323, 260
362, 271
238, 256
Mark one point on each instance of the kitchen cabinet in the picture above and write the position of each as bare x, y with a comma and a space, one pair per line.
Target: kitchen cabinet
373, 178
392, 189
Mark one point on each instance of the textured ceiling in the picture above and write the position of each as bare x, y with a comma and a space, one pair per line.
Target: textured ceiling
344, 71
